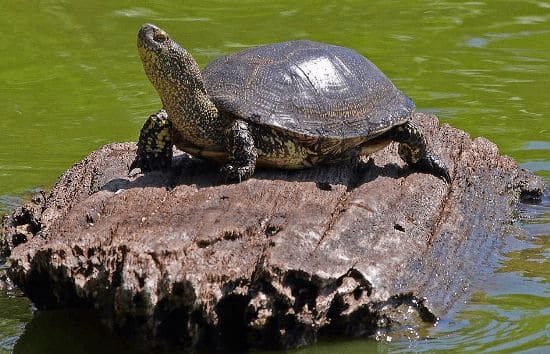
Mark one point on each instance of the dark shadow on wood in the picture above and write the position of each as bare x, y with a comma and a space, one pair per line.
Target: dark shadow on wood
188, 170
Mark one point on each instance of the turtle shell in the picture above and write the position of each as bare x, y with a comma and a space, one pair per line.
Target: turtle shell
307, 88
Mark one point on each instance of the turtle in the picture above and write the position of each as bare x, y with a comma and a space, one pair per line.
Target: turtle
287, 105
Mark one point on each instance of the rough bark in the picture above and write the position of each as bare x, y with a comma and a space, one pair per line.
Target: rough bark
277, 260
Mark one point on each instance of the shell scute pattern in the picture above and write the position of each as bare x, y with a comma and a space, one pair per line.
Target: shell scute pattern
307, 89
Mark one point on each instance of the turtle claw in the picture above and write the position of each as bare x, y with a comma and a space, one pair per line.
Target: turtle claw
229, 174
433, 165
148, 162
232, 174
445, 176
135, 164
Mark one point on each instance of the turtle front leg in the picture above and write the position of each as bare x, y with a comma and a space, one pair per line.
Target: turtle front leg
242, 153
155, 144
413, 149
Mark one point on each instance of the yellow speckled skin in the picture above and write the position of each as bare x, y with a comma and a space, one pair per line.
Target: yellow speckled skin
155, 144
177, 78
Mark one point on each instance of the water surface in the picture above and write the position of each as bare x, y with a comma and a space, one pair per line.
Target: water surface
71, 80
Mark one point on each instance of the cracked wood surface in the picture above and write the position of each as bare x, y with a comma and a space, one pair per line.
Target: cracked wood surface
280, 259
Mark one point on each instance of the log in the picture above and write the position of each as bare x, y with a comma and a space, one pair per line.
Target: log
279, 260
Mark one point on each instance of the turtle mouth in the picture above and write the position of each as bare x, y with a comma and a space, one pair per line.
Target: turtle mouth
151, 37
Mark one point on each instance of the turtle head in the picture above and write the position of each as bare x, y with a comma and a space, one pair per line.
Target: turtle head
170, 68
177, 78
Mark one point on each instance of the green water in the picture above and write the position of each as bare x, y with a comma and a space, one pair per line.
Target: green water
71, 80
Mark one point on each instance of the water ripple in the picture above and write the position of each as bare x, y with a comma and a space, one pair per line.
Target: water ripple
136, 12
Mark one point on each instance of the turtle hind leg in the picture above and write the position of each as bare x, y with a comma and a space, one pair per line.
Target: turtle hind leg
242, 153
155, 144
413, 149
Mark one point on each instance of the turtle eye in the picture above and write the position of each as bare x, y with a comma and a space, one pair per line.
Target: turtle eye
160, 36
